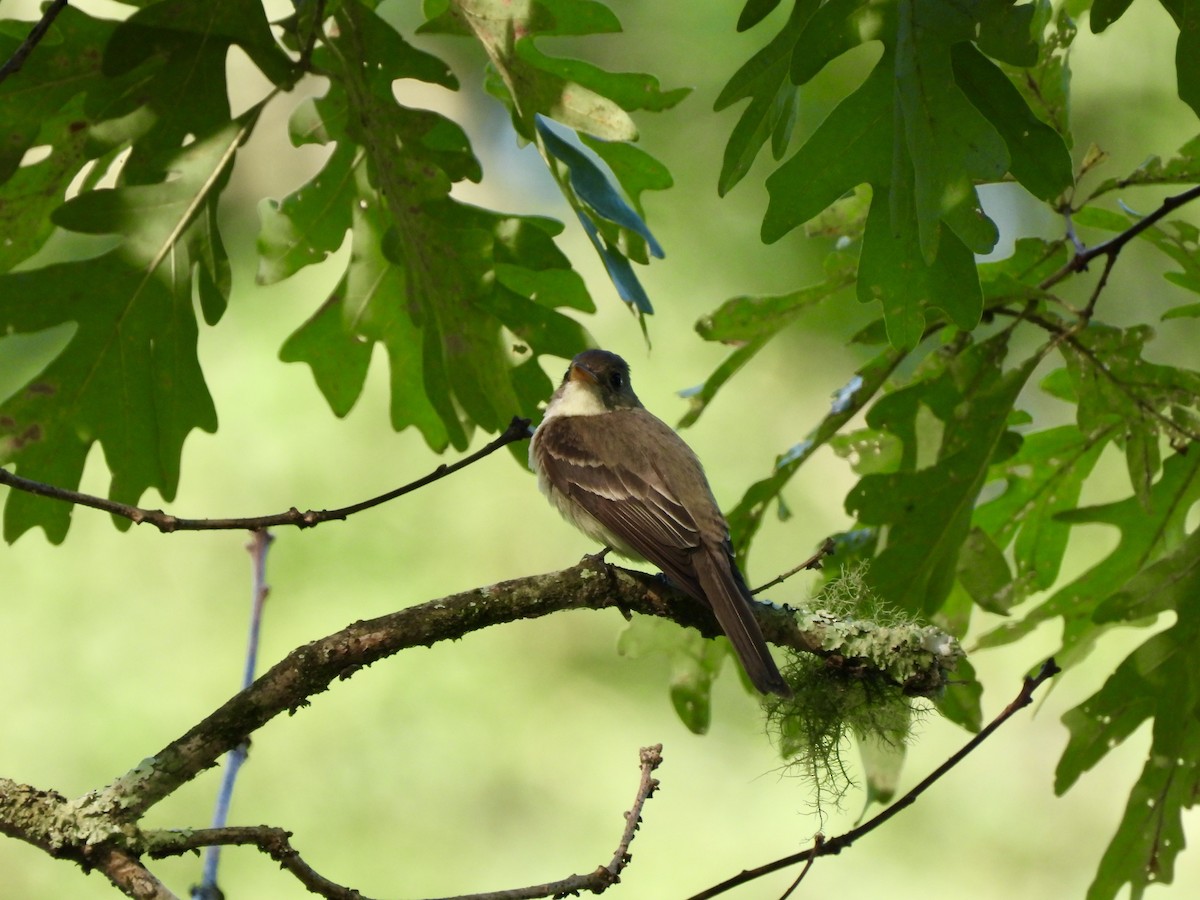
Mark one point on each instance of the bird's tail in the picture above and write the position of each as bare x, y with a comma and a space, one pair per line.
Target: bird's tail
729, 598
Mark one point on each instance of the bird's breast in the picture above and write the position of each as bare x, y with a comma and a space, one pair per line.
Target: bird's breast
550, 432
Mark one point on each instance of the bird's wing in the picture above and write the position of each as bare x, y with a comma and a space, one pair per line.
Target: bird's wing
639, 509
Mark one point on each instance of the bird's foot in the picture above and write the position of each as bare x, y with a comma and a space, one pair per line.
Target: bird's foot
597, 559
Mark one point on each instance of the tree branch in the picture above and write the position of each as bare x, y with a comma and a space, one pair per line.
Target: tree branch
274, 842
831, 846
826, 549
518, 430
13, 64
1110, 248
309, 670
603, 877
52, 823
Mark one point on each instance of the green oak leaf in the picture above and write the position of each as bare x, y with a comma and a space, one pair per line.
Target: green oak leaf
579, 95
1038, 156
765, 79
933, 118
442, 298
1105, 12
167, 63
983, 573
749, 318
1116, 385
893, 270
746, 518
1147, 534
216, 22
311, 222
950, 141
1183, 168
153, 218
1042, 479
928, 510
463, 299
754, 12
47, 106
1157, 681
128, 378
1006, 31
1186, 14
962, 701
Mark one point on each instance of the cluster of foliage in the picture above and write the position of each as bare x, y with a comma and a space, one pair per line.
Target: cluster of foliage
969, 473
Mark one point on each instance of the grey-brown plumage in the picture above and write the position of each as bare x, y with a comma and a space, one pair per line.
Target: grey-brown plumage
627, 480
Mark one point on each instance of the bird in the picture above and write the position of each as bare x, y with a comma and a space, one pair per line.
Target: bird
624, 478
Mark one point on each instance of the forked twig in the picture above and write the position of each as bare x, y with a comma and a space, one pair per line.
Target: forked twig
276, 843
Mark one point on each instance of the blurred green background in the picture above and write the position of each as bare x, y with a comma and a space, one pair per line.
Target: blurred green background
508, 758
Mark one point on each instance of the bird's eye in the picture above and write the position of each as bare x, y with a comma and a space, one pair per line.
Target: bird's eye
616, 380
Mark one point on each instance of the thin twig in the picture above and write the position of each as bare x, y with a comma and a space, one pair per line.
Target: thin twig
603, 877
13, 64
826, 549
1067, 335
836, 844
257, 547
274, 842
1109, 262
650, 758
313, 33
818, 841
1080, 261
518, 430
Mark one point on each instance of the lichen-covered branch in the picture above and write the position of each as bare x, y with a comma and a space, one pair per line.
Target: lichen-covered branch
88, 828
918, 658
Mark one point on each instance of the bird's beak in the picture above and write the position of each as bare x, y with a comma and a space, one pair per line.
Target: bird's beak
579, 373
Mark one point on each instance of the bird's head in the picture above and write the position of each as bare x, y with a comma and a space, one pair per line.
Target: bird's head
606, 376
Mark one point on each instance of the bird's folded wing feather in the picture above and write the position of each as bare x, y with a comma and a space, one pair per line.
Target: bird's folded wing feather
637, 508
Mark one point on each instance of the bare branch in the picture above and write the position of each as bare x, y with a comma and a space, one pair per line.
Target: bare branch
257, 547
49, 821
309, 670
813, 562
603, 877
835, 845
127, 874
1110, 248
13, 64
518, 430
274, 842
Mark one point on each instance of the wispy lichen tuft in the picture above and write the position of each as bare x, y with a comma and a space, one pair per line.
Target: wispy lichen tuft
876, 664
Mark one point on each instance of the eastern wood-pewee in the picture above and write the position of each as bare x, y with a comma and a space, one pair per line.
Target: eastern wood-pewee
623, 477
